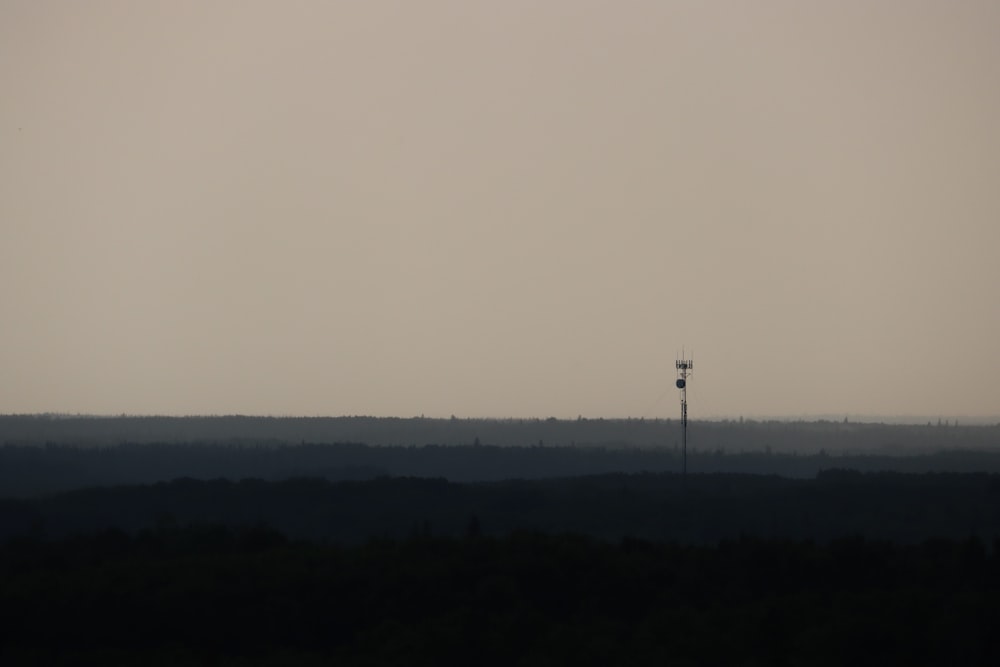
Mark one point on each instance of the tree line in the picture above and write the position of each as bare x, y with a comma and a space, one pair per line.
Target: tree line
30, 470
730, 435
696, 509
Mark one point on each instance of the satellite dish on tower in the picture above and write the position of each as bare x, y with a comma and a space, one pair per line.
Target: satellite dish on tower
684, 369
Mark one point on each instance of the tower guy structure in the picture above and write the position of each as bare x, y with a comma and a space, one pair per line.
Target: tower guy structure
684, 367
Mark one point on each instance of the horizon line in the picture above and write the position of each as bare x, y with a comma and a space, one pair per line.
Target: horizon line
858, 418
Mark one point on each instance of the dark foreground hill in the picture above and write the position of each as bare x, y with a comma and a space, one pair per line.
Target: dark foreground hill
647, 569
220, 597
693, 509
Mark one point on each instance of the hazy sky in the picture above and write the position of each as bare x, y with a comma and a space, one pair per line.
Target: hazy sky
500, 208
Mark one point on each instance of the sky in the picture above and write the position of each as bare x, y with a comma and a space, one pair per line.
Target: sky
500, 209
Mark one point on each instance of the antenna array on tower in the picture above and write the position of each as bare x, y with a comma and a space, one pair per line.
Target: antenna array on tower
684, 368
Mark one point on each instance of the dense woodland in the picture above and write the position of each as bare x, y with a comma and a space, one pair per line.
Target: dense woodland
44, 454
174, 541
702, 509
32, 470
730, 436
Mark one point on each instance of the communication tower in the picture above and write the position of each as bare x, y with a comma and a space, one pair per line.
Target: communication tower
684, 367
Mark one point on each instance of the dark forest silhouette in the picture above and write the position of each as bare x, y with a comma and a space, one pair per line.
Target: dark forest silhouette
236, 541
731, 436
46, 455
699, 508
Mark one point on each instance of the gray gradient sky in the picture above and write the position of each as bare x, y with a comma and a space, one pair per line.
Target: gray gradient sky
500, 208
